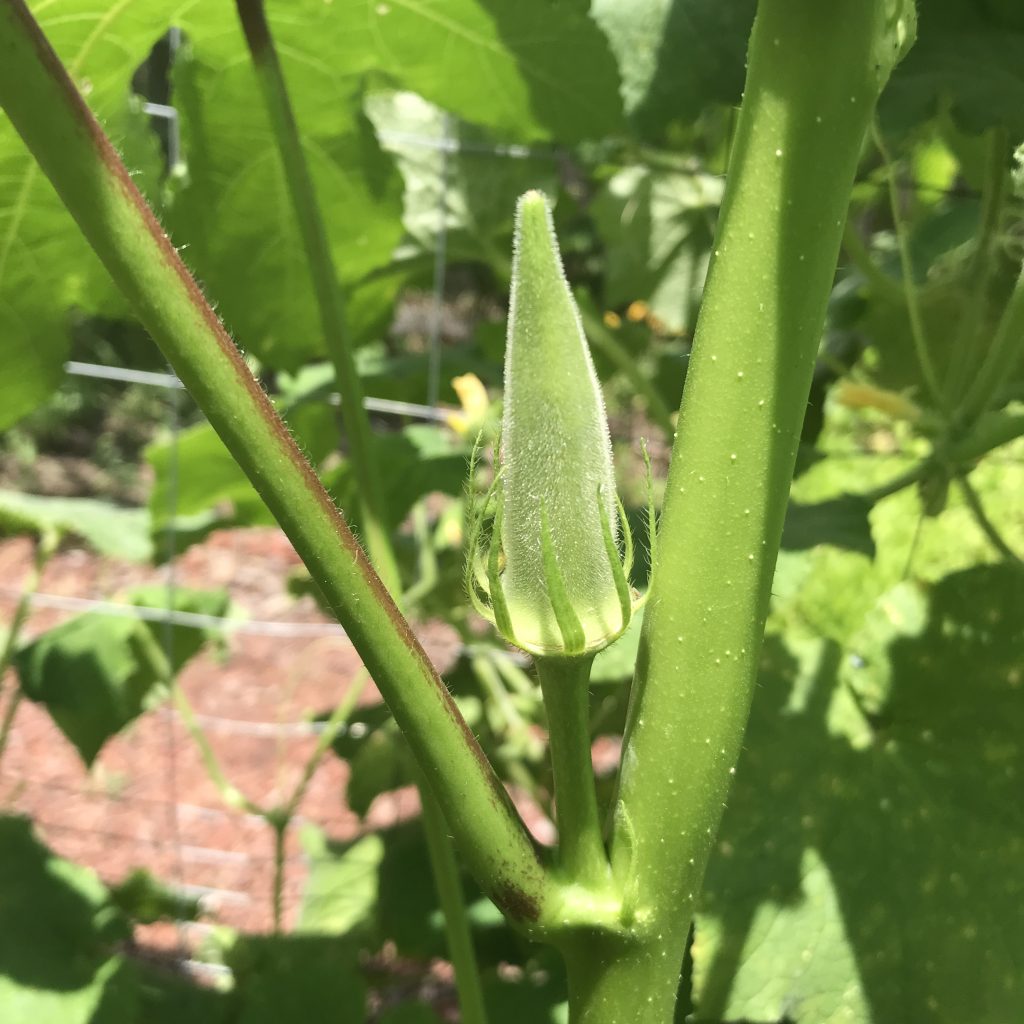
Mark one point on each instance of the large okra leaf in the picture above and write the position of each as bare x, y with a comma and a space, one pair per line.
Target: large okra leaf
969, 57
870, 863
676, 56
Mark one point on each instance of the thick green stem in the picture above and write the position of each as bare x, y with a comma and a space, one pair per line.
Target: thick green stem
79, 160
565, 683
814, 74
325, 287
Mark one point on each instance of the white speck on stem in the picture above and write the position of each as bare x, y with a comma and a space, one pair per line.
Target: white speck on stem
778, 154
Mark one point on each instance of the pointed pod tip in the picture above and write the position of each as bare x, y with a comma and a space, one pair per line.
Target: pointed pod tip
533, 198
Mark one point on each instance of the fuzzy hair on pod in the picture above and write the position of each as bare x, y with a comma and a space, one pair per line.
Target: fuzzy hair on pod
559, 520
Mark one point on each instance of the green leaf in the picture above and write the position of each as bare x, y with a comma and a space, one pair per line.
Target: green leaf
968, 57
381, 765
234, 212
96, 673
470, 194
870, 863
117, 532
409, 1013
657, 227
535, 996
46, 268
676, 57
341, 889
58, 939
842, 522
142, 897
167, 999
199, 487
296, 978
508, 67
416, 461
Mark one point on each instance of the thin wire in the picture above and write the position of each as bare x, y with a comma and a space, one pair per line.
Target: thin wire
169, 380
174, 617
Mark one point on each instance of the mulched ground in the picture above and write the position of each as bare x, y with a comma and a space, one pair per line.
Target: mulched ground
148, 800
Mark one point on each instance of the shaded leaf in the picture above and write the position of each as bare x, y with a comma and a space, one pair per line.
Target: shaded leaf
968, 56
58, 938
144, 898
657, 229
96, 673
111, 530
342, 886
381, 765
528, 70
883, 885
842, 522
468, 192
676, 57
234, 211
296, 978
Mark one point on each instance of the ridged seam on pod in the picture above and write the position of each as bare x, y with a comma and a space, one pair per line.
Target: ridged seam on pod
563, 588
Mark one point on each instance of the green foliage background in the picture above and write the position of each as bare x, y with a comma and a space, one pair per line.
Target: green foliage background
871, 864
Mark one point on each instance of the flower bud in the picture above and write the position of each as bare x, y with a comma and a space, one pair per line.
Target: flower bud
553, 577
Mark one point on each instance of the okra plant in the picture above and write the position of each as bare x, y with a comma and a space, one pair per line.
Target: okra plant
549, 547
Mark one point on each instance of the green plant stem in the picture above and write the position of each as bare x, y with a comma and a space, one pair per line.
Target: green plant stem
230, 794
357, 424
445, 870
995, 538
1002, 359
857, 251
565, 683
605, 341
991, 431
986, 434
813, 80
10, 712
917, 332
980, 273
427, 558
326, 287
79, 160
45, 547
280, 830
339, 716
